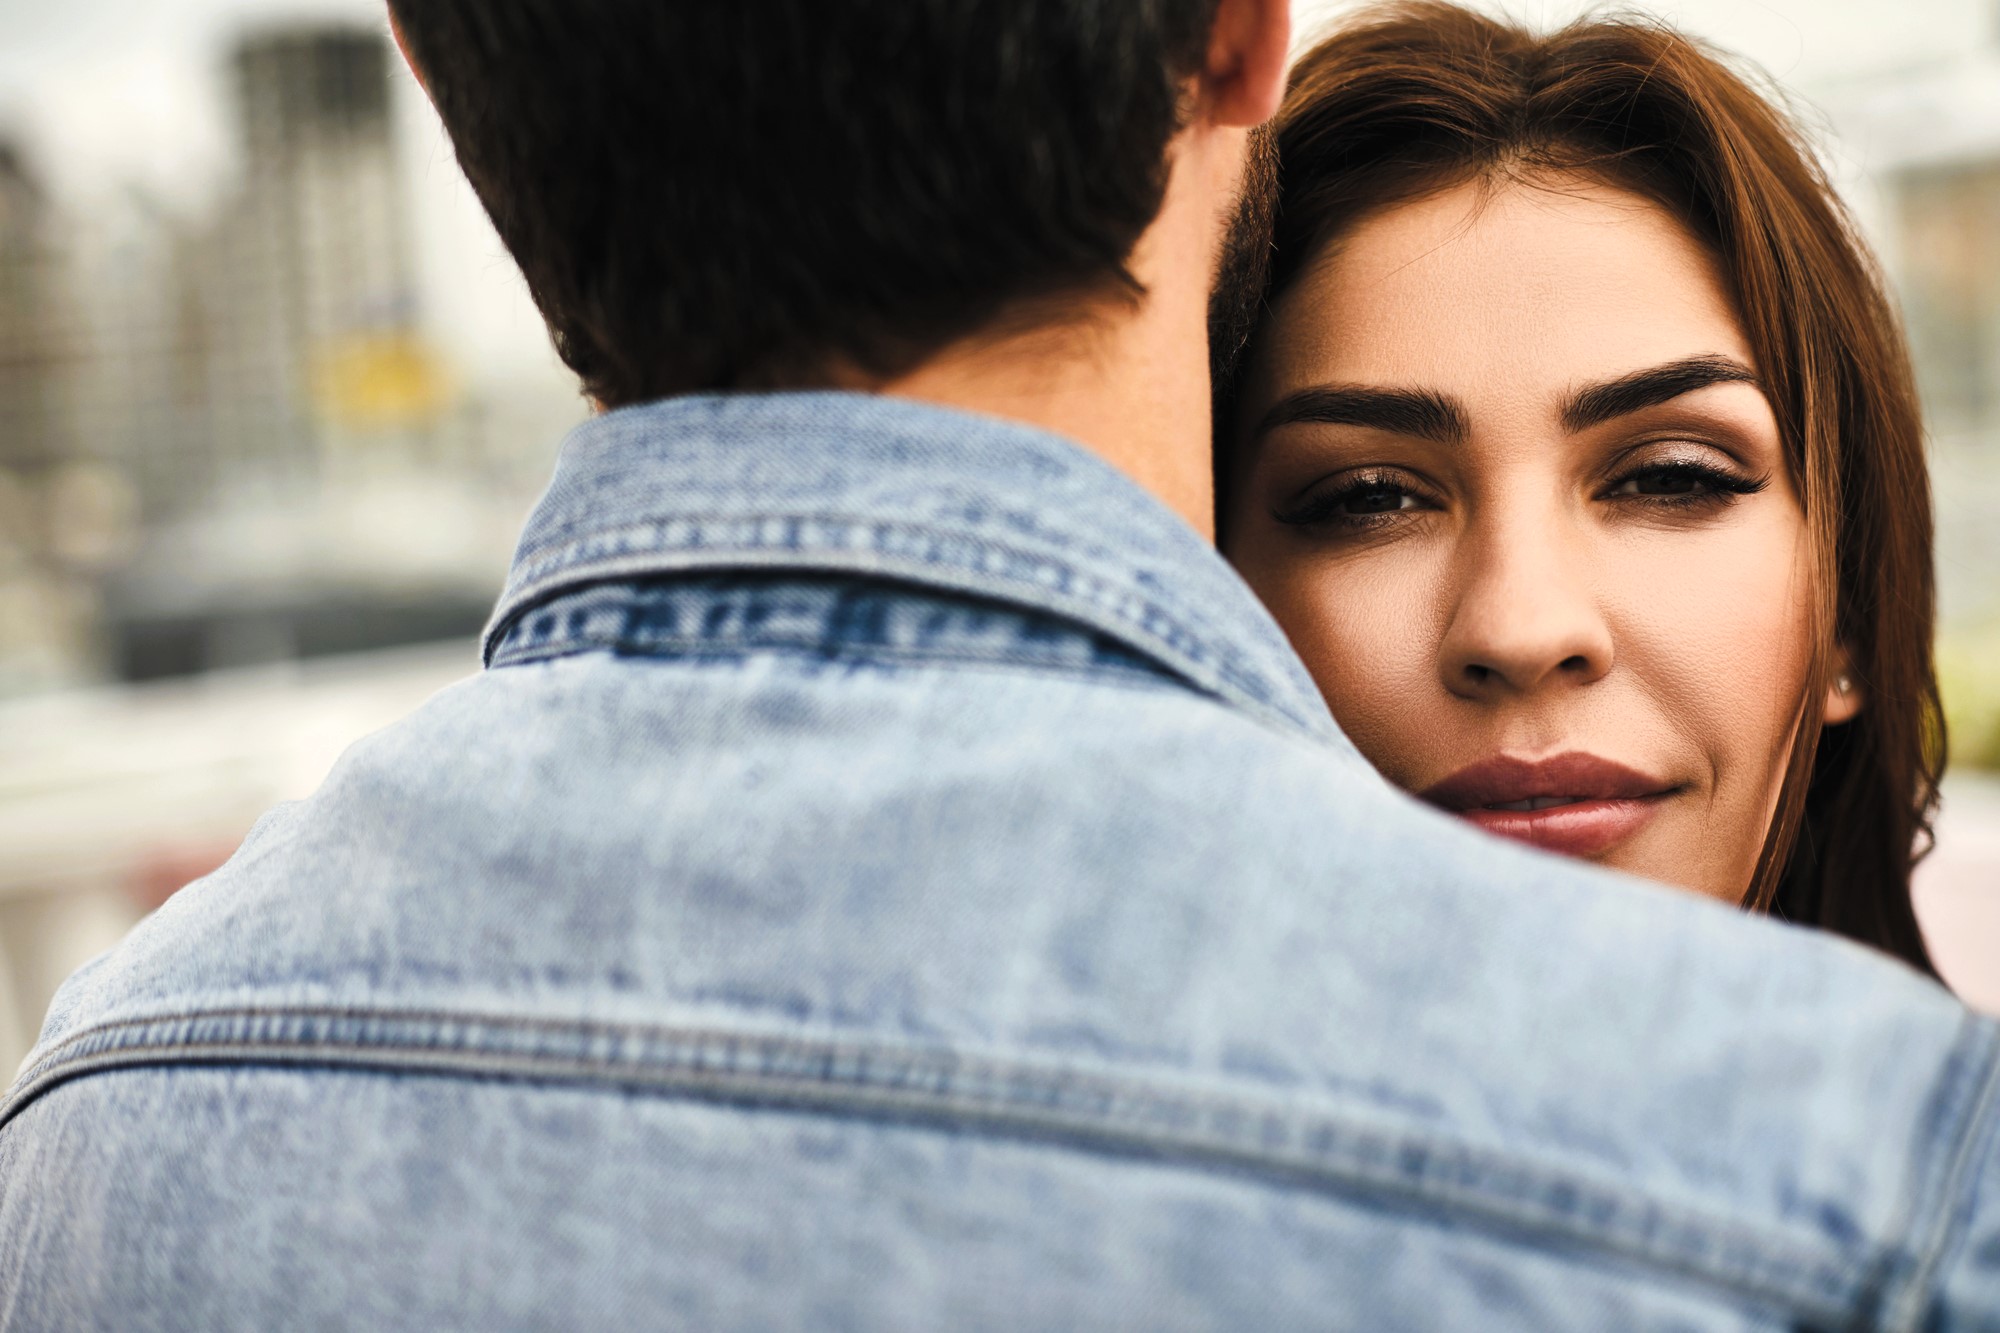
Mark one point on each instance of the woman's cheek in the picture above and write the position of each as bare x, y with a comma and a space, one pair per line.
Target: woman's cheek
1368, 627
1714, 627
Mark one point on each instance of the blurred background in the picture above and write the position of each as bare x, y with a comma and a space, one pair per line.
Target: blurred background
273, 404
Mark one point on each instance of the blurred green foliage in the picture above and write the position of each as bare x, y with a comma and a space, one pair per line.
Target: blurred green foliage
1969, 675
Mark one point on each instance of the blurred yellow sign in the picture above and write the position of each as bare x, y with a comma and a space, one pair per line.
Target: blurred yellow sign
379, 381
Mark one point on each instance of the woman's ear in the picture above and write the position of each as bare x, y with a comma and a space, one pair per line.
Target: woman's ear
1843, 692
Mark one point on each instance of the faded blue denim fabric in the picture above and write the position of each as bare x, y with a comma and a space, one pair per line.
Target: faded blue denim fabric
894, 875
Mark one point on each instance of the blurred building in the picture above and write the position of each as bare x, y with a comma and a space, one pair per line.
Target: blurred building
1948, 224
46, 613
1931, 138
28, 355
315, 310
297, 452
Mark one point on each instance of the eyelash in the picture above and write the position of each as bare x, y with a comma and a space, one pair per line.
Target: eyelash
1720, 489
1322, 508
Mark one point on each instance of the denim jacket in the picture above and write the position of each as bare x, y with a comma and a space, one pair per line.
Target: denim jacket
892, 874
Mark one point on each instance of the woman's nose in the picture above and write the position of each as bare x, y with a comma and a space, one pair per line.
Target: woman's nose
1526, 618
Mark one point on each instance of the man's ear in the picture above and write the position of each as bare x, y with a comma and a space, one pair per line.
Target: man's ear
403, 45
1243, 80
1844, 695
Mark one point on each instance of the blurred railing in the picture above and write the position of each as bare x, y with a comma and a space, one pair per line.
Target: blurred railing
113, 798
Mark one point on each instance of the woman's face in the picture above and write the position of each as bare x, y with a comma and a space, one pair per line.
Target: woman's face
1506, 477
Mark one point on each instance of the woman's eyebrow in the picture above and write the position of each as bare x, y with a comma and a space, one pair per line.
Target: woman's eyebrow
1641, 389
1418, 412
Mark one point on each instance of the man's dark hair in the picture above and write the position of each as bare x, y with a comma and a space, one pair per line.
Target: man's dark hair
721, 194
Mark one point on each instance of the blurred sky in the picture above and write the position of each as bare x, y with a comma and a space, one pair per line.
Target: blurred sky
114, 90
110, 95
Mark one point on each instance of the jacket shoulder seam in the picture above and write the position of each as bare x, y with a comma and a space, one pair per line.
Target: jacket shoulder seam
1358, 1153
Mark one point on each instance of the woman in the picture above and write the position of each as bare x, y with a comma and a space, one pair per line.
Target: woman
1579, 455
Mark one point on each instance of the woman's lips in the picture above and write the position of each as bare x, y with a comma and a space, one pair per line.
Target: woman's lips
1576, 804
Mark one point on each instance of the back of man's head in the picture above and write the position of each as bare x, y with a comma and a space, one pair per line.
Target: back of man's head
720, 194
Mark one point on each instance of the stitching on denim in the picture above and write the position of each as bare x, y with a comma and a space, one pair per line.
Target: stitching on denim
1109, 1110
1944, 1197
650, 537
1154, 627
572, 544
814, 632
1155, 678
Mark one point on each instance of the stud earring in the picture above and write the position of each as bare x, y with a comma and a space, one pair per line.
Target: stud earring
1843, 684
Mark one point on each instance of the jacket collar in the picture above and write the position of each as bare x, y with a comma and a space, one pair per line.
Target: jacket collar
888, 488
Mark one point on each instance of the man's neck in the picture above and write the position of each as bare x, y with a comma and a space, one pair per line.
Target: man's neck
1130, 391
1126, 379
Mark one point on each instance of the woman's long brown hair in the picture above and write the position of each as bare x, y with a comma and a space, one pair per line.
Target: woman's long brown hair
1409, 99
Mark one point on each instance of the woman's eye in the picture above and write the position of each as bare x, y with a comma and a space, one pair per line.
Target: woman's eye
1374, 498
1671, 480
1360, 503
1684, 482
